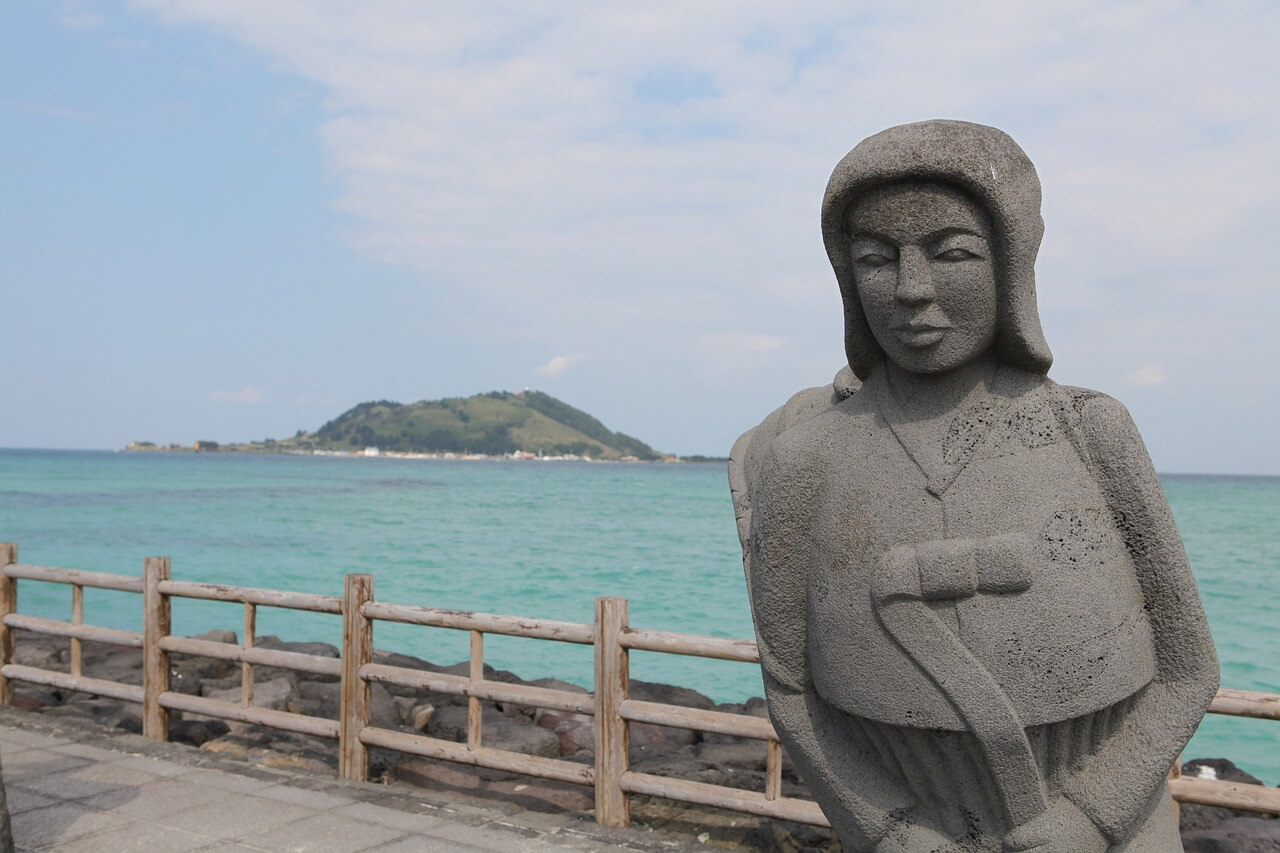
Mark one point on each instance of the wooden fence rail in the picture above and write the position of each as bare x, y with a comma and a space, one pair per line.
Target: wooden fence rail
609, 705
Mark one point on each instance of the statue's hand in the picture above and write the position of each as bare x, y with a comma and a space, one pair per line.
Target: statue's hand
1061, 828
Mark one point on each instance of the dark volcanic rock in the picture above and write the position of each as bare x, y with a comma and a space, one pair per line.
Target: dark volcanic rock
274, 643
682, 763
104, 712
650, 691
271, 641
132, 725
275, 694
218, 635
650, 740
575, 732
753, 707
742, 754
327, 696
38, 650
647, 740
30, 698
1237, 835
197, 732
1193, 816
186, 673
385, 715
407, 661
498, 731
113, 663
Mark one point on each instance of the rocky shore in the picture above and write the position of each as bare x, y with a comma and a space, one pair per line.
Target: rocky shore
679, 753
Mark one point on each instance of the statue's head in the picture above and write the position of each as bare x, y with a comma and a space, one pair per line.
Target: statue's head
932, 230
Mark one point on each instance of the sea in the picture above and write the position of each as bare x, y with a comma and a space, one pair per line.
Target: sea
535, 539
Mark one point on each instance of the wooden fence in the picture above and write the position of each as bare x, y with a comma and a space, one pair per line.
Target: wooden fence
609, 704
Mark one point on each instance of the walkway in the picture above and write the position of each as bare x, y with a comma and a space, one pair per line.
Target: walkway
76, 787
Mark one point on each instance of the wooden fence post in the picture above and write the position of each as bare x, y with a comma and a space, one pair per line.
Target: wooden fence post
357, 650
247, 641
8, 604
475, 708
613, 740
1175, 772
156, 623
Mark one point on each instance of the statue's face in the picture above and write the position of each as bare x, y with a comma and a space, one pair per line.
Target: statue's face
924, 268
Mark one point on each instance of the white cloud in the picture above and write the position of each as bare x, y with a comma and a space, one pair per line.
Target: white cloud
720, 358
557, 365
244, 396
1147, 377
622, 178
456, 131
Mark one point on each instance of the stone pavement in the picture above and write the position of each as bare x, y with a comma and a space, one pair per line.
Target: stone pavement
72, 786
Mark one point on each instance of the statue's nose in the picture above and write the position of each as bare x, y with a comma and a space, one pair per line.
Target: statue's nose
915, 278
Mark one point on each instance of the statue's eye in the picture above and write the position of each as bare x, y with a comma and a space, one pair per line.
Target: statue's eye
874, 259
955, 254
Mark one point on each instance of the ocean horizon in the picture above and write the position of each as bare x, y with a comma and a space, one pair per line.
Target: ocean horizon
538, 539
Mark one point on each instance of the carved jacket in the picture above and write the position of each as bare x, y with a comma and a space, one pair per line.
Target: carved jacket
1017, 601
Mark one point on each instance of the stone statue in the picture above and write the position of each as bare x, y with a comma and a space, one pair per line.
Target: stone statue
977, 624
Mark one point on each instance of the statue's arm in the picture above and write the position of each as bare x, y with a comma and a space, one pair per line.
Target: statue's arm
862, 805
750, 450
1115, 786
740, 486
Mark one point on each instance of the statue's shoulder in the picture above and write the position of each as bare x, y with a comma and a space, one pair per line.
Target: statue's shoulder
1102, 430
754, 446
757, 448
1090, 411
833, 426
1078, 399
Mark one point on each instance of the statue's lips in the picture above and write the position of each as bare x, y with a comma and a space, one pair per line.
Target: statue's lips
920, 334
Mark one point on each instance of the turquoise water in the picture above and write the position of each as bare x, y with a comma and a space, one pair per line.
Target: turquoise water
532, 539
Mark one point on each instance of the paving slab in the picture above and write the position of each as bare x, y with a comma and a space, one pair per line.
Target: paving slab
326, 833
62, 822
21, 800
83, 750
156, 800
237, 817
486, 838
154, 766
138, 837
221, 780
406, 822
29, 738
303, 797
38, 761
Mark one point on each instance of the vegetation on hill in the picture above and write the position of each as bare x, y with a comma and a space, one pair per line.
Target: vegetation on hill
494, 423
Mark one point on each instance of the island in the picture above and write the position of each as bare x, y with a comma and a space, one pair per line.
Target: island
497, 424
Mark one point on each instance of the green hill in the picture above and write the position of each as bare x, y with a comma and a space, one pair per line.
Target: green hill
494, 423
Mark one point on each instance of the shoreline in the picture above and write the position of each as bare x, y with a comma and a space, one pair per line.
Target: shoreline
679, 753
517, 456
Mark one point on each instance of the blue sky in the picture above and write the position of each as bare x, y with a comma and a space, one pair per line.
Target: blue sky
229, 219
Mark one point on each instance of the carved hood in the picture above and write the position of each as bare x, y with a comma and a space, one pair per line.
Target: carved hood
982, 162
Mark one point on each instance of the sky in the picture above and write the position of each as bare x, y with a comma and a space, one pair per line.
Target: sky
235, 219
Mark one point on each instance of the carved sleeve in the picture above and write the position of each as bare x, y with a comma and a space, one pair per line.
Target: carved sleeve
1115, 785
862, 805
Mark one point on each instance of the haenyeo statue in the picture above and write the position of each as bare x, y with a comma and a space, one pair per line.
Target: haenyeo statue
977, 624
